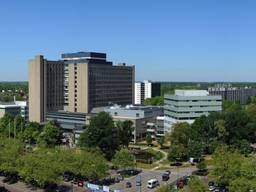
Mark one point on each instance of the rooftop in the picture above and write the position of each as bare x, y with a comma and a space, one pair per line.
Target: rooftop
191, 93
13, 104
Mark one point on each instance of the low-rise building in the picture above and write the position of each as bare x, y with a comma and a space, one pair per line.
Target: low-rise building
187, 105
139, 115
14, 108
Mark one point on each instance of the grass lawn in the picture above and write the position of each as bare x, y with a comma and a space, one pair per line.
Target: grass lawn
146, 166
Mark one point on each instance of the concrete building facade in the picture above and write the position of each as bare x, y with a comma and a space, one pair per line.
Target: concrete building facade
95, 82
140, 116
46, 79
187, 105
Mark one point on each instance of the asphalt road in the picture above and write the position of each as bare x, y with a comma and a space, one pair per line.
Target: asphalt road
151, 174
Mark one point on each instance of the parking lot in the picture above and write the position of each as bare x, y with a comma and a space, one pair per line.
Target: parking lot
151, 174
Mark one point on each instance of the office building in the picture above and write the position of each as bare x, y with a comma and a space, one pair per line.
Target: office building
234, 94
14, 108
141, 116
77, 84
146, 90
94, 82
46, 80
187, 105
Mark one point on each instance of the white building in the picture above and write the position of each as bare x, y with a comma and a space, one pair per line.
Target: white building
145, 90
187, 105
14, 108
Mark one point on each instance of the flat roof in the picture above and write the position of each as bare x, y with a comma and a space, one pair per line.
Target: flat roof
191, 92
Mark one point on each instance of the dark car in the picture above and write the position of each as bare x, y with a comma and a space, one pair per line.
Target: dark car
186, 179
67, 177
165, 176
3, 189
128, 184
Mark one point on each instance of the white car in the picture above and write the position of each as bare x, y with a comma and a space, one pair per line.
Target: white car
152, 183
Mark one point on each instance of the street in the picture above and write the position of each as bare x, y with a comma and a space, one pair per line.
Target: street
151, 174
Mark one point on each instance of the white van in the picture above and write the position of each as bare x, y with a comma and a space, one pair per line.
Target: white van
152, 183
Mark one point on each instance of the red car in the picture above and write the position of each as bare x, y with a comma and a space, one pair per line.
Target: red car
180, 184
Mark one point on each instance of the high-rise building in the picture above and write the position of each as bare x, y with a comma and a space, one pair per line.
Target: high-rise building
139, 93
45, 87
95, 82
146, 90
80, 82
187, 105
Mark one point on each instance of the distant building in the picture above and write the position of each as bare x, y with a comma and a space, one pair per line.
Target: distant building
187, 105
234, 94
145, 90
14, 108
139, 115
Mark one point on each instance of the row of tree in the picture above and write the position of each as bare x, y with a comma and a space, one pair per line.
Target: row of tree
45, 166
48, 135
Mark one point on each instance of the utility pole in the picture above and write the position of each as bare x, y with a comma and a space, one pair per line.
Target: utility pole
14, 128
9, 128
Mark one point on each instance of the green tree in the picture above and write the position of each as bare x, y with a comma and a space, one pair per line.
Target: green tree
6, 125
195, 149
221, 130
50, 136
180, 134
125, 129
93, 165
161, 141
156, 101
177, 153
201, 166
149, 139
124, 159
18, 125
42, 167
10, 152
226, 165
196, 185
30, 133
101, 133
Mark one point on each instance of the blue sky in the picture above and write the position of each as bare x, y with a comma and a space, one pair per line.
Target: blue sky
168, 40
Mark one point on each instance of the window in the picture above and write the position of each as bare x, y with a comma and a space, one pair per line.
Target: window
137, 114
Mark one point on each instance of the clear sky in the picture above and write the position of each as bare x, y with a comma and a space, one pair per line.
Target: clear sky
168, 40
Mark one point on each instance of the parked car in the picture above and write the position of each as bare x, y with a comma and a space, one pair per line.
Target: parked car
211, 186
186, 179
128, 184
138, 183
152, 183
3, 189
180, 183
165, 176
